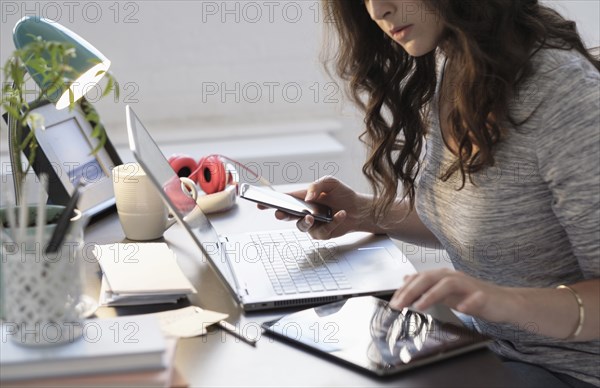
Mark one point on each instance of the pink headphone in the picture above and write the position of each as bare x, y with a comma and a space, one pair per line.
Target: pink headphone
211, 172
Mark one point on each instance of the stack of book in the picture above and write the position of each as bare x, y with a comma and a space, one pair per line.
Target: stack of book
136, 274
124, 351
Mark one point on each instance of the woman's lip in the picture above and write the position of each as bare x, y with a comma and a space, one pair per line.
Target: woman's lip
397, 31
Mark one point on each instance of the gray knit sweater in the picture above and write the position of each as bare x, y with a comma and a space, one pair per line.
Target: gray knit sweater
532, 219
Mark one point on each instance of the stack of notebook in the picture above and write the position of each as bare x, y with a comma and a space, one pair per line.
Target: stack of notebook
136, 274
121, 351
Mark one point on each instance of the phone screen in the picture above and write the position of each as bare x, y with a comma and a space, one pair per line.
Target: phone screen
286, 203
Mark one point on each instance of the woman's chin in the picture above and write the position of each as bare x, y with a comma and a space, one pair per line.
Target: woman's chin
415, 50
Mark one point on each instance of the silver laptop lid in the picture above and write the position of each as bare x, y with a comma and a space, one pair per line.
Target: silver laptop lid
185, 209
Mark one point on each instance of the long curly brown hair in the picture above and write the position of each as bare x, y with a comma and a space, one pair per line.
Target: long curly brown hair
491, 41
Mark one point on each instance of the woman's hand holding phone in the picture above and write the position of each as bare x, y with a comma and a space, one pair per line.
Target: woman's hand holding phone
349, 209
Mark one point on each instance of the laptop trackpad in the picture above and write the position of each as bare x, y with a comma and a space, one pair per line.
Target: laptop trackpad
369, 259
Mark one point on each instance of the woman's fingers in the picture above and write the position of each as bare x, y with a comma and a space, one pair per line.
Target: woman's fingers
325, 231
321, 191
458, 291
473, 302
304, 224
300, 194
283, 216
323, 185
407, 294
322, 230
446, 289
415, 286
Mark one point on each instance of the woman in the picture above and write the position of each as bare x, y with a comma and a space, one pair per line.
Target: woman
487, 114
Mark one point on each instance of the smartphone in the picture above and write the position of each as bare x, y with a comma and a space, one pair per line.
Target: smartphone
286, 203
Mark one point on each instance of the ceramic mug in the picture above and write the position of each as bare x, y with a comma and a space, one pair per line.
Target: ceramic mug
142, 212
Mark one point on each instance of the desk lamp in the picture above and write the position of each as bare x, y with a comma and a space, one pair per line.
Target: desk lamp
88, 66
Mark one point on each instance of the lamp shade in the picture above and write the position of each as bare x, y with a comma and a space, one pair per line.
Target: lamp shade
86, 64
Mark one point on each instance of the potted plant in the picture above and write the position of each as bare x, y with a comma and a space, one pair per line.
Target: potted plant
48, 63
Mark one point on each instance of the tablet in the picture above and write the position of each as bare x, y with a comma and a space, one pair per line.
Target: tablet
365, 332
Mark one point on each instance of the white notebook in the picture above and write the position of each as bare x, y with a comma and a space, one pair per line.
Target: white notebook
111, 299
140, 269
107, 345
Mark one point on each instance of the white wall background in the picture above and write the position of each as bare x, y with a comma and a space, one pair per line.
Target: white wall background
215, 60
212, 76
206, 76
587, 15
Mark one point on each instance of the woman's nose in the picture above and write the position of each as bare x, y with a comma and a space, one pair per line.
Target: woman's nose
380, 9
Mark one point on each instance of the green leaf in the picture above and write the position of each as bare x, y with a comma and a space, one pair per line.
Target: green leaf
52, 88
34, 37
109, 87
97, 130
93, 117
101, 143
15, 74
32, 151
11, 110
53, 49
117, 91
39, 65
28, 139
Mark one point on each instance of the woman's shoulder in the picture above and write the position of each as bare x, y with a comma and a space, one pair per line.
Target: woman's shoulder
559, 73
560, 80
546, 61
566, 94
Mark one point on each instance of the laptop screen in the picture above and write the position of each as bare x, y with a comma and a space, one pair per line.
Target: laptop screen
184, 208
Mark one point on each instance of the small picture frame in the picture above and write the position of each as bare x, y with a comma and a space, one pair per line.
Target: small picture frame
64, 154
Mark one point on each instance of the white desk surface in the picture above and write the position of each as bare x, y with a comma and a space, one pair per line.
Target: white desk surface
220, 359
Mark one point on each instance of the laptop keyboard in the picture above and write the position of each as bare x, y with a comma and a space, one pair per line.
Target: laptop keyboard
297, 264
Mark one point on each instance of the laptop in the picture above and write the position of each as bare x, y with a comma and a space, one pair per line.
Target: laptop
278, 268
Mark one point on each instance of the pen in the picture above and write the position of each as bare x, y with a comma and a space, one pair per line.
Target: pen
228, 327
63, 222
